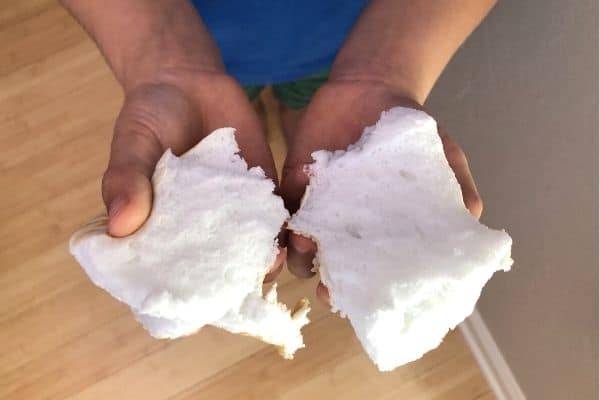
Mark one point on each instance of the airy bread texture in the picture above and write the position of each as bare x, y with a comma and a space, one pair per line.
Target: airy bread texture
201, 257
401, 255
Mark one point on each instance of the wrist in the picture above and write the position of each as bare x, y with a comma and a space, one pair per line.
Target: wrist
144, 41
381, 78
166, 57
378, 85
201, 90
193, 82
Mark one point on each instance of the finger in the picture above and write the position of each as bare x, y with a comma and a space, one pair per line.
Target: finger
326, 124
127, 194
126, 185
293, 186
471, 196
282, 238
255, 150
236, 111
323, 294
289, 120
300, 255
153, 118
460, 165
277, 266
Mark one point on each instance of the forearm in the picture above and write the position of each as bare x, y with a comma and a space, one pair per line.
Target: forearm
406, 43
148, 40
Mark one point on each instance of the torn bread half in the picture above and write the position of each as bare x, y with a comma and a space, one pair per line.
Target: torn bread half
401, 256
201, 257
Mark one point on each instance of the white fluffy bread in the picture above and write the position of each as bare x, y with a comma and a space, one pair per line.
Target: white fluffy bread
201, 256
402, 257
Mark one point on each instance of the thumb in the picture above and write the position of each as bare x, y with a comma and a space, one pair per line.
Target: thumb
127, 194
293, 185
301, 250
126, 185
460, 166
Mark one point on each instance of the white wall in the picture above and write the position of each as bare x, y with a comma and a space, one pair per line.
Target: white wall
522, 98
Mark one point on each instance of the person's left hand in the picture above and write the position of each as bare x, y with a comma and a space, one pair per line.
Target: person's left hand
336, 118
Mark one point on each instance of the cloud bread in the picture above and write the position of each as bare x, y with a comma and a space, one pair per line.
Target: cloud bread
201, 257
401, 256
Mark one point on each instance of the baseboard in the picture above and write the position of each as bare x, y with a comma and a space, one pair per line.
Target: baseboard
490, 359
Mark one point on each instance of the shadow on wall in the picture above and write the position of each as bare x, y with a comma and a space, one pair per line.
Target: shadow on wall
521, 97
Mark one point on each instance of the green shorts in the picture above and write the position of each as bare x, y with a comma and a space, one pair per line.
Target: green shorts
296, 94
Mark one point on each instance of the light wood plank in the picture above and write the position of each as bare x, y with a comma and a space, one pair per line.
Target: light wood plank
52, 25
179, 366
13, 12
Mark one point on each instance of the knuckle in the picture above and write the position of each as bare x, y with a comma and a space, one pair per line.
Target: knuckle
290, 169
152, 111
479, 204
112, 179
454, 152
140, 121
475, 204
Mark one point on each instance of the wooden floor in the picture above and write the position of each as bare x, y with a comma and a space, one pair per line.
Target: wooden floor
61, 337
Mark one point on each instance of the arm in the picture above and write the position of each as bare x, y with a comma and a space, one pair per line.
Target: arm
145, 41
176, 92
393, 56
406, 44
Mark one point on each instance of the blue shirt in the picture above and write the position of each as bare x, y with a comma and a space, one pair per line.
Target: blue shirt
264, 42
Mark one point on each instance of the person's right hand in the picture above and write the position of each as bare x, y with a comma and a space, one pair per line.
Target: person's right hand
176, 92
173, 113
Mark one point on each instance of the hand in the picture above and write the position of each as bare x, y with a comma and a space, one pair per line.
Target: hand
334, 119
174, 114
176, 92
